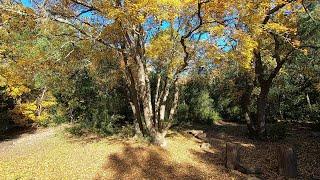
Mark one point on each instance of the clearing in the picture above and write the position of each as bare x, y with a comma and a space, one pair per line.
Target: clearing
52, 154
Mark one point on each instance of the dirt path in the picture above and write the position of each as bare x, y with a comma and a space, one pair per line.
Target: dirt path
28, 139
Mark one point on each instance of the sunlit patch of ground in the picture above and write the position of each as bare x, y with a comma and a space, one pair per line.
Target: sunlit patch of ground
51, 154
56, 156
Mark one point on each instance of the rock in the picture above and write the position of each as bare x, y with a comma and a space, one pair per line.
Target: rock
221, 135
194, 132
198, 134
201, 136
253, 178
205, 146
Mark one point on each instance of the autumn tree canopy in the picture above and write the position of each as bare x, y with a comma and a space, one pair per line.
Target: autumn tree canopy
147, 48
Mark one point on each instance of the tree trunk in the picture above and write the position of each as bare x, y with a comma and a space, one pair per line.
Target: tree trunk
39, 101
287, 161
145, 95
174, 103
261, 110
132, 95
245, 104
158, 139
232, 157
308, 101
138, 126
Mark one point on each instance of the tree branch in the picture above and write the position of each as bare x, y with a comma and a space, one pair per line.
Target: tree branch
186, 36
274, 10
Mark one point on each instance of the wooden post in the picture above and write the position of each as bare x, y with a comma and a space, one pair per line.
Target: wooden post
287, 161
232, 158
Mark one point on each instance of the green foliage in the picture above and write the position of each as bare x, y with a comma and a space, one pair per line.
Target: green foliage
126, 131
59, 119
182, 115
202, 108
90, 108
227, 90
197, 106
76, 130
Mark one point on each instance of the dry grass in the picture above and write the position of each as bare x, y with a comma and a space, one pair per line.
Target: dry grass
183, 159
54, 157
58, 157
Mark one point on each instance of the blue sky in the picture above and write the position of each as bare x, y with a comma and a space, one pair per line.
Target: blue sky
26, 3
222, 41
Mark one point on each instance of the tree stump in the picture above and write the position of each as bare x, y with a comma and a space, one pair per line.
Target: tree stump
287, 162
232, 158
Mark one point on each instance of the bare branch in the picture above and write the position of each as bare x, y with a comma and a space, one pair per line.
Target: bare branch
307, 11
186, 36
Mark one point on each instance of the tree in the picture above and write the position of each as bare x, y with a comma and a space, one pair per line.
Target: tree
272, 35
29, 57
146, 41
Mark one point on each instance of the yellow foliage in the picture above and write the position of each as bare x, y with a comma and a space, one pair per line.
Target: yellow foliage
245, 49
28, 111
217, 30
160, 45
16, 91
3, 81
277, 27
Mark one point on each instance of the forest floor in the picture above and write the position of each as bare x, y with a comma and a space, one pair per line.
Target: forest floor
51, 153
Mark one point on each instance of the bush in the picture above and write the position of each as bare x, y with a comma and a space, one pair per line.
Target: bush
91, 106
196, 104
182, 115
202, 108
127, 131
76, 130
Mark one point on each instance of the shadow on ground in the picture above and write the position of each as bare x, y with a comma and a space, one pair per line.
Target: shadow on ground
150, 162
263, 154
146, 163
16, 132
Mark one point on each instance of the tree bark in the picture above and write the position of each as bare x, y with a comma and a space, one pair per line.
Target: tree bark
245, 104
232, 157
144, 94
261, 110
39, 101
137, 124
133, 98
287, 161
174, 103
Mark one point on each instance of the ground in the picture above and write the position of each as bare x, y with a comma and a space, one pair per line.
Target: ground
53, 154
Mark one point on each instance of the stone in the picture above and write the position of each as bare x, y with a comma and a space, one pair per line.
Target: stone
205, 146
253, 178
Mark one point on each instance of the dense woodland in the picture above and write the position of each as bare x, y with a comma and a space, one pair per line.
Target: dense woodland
142, 68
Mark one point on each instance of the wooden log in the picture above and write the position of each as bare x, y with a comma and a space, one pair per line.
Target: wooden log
287, 162
232, 157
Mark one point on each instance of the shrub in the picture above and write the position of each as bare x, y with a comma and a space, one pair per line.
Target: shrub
127, 131
202, 108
